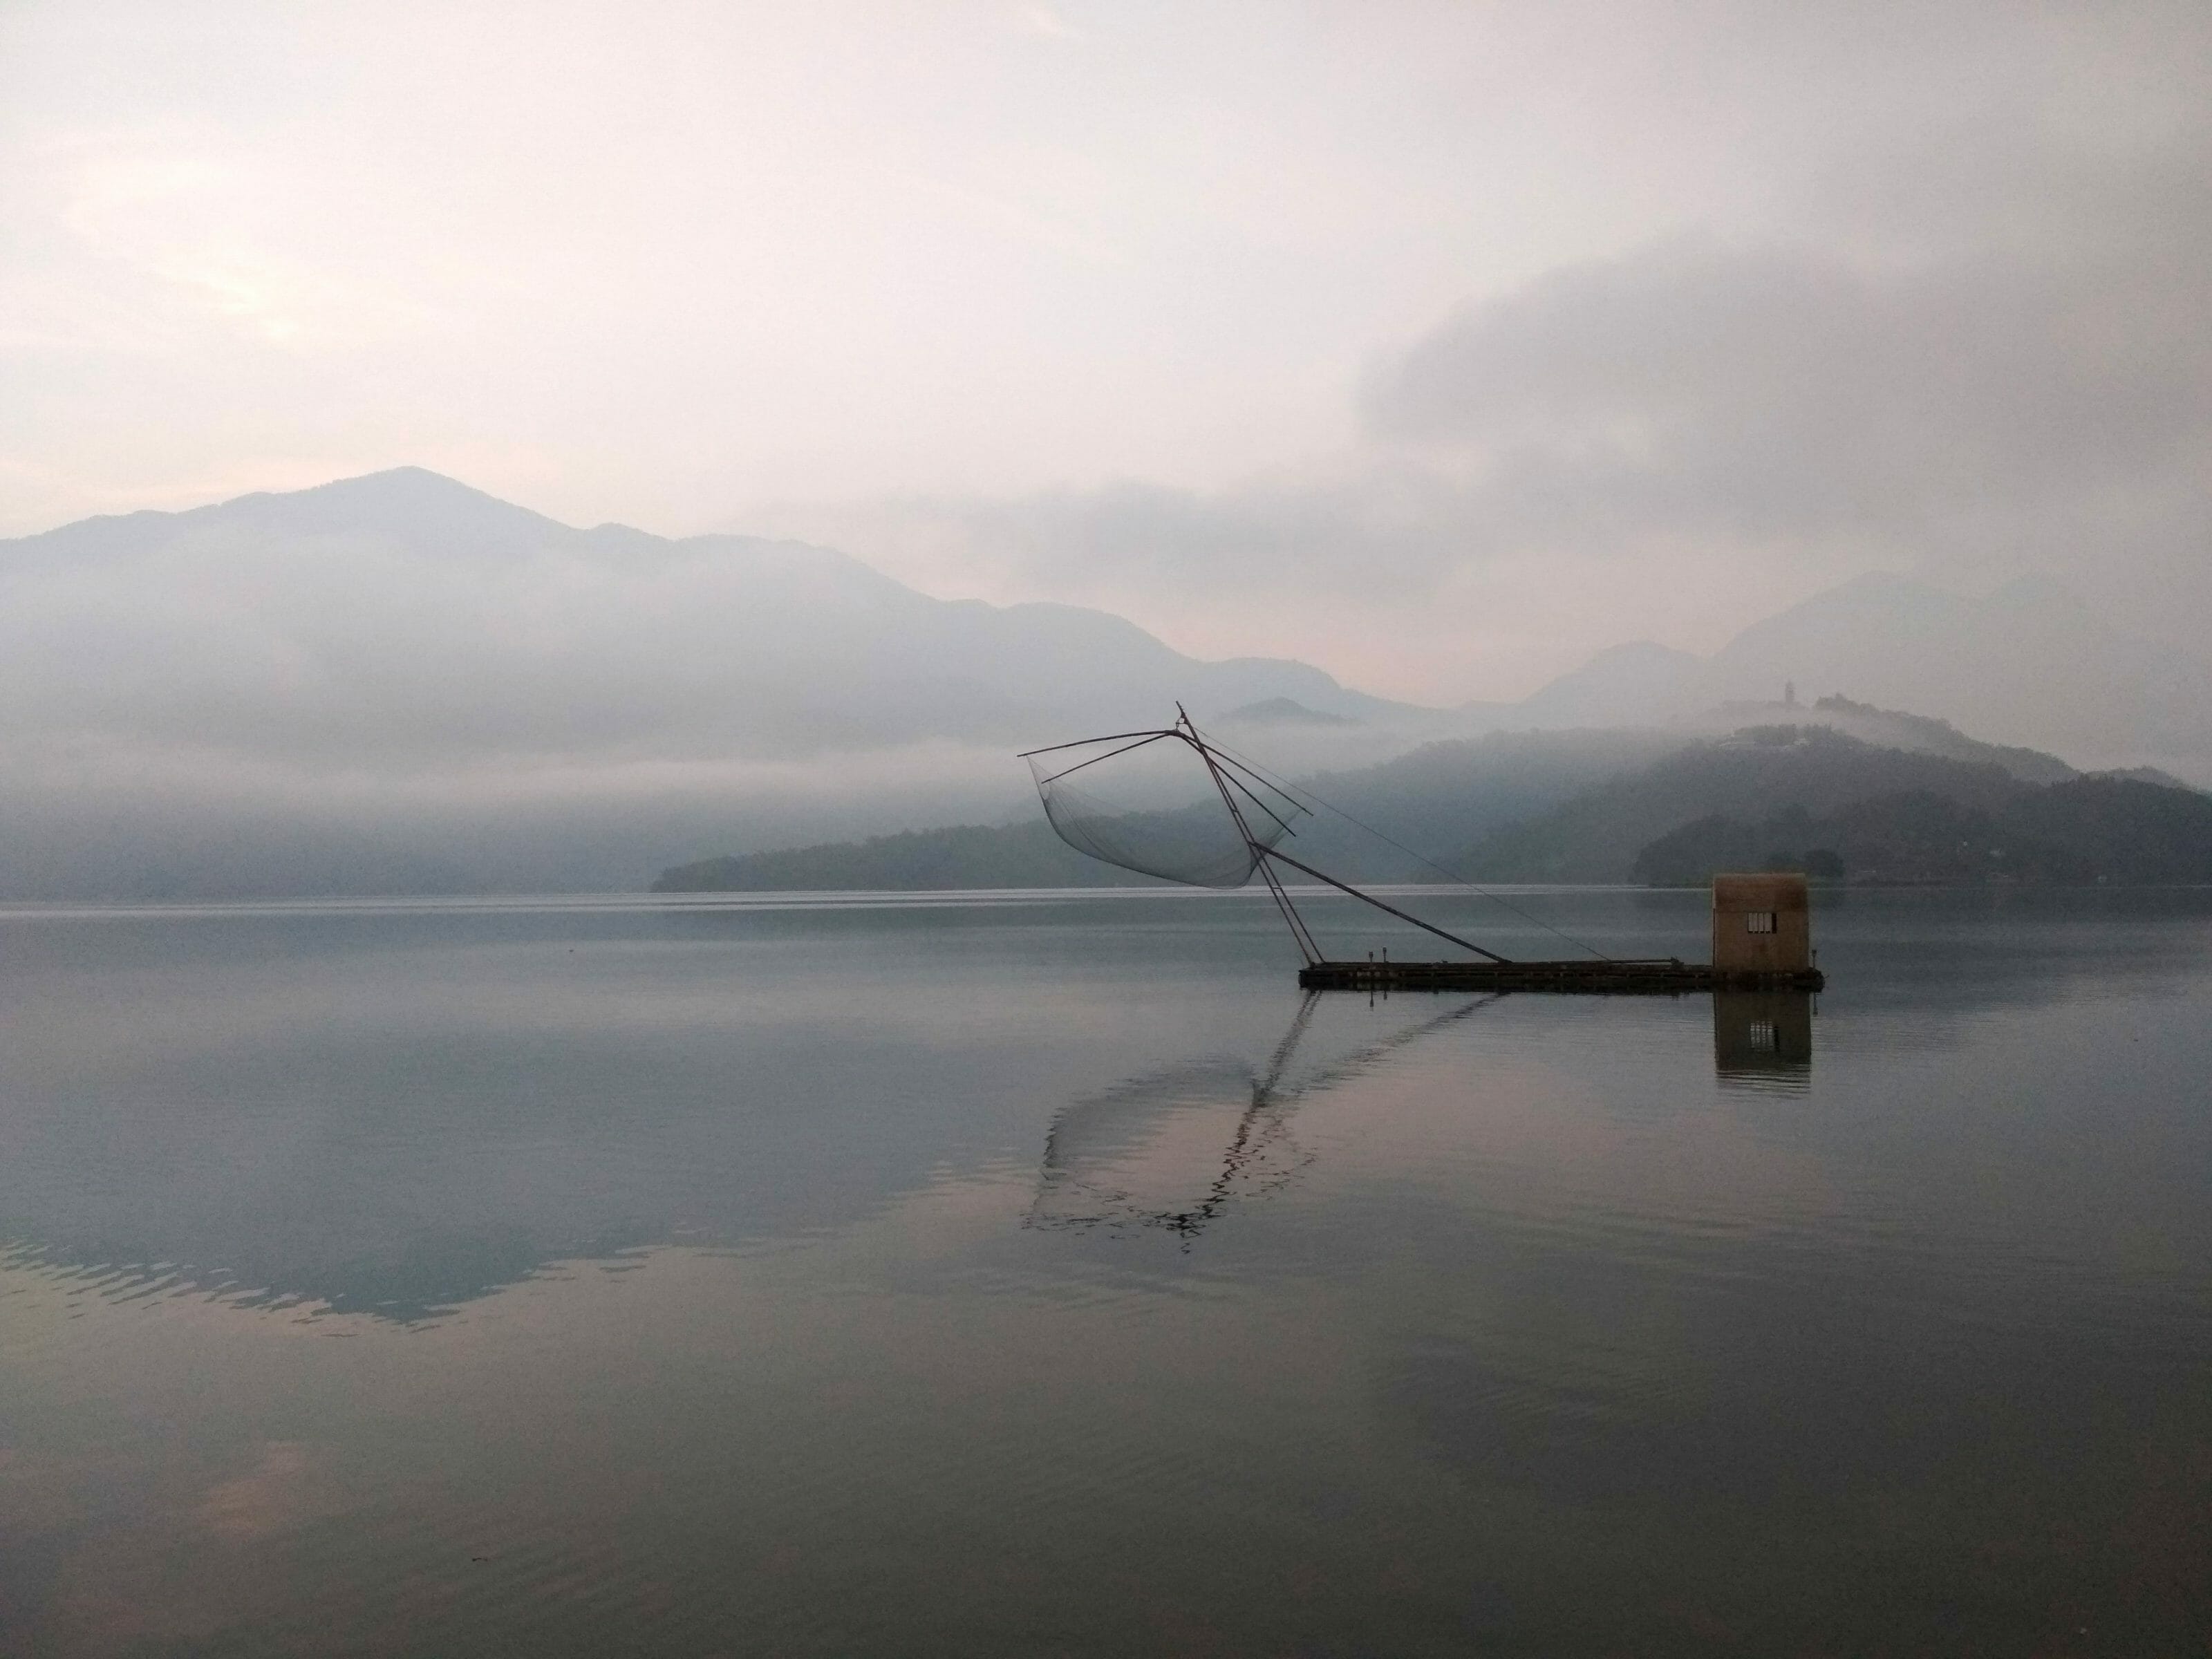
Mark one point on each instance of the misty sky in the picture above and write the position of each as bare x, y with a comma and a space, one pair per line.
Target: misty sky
1438, 346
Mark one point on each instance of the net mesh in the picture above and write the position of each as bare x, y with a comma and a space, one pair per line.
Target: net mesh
1147, 802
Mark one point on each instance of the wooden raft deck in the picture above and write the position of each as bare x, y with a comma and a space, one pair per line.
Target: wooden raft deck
1664, 977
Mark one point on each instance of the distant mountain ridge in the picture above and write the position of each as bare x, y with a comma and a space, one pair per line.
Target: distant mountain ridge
2092, 830
2028, 664
396, 682
1889, 728
805, 647
1428, 800
1771, 795
1609, 807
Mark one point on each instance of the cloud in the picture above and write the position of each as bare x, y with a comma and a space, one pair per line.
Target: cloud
1994, 355
1971, 358
1787, 395
1044, 22
1440, 347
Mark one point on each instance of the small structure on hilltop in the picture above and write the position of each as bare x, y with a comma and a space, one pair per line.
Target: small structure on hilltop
1762, 927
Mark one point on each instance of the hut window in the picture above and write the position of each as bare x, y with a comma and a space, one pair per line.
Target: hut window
1758, 921
1761, 1036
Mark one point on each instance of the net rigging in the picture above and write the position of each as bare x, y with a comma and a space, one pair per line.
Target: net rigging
1172, 804
1124, 799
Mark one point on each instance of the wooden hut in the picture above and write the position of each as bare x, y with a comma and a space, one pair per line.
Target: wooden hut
1762, 925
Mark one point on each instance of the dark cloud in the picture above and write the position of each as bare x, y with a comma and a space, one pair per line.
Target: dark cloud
1999, 352
1777, 395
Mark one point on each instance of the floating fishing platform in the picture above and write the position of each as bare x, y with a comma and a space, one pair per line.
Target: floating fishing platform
1663, 978
1762, 941
1761, 923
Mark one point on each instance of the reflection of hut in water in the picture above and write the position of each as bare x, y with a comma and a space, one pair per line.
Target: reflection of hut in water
1763, 1035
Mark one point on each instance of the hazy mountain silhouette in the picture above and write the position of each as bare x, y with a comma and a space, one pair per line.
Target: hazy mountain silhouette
399, 683
1638, 684
538, 637
2028, 665
1772, 794
1428, 801
1611, 806
396, 682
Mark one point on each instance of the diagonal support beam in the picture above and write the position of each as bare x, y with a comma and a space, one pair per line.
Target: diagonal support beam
1344, 887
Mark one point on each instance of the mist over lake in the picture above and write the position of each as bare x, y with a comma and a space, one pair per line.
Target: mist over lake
1028, 827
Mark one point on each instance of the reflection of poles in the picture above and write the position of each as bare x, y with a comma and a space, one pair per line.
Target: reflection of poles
1263, 1089
1190, 1223
1247, 1142
1281, 1057
1307, 948
1360, 1058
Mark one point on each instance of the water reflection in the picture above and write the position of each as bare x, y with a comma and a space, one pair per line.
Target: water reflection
1172, 1149
400, 1110
1764, 1039
1544, 1343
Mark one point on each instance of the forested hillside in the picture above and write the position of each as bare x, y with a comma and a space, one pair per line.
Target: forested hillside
1794, 798
1618, 806
1429, 801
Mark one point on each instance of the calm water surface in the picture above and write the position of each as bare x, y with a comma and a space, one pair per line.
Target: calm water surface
1044, 1275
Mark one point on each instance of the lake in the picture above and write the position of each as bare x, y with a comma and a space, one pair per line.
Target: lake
1044, 1275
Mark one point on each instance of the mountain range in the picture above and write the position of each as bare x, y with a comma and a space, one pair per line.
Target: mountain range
2030, 664
1810, 797
1584, 807
398, 683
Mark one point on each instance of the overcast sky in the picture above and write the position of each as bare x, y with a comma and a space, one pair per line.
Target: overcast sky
1439, 345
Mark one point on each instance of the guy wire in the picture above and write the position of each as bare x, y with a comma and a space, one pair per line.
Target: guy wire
1296, 793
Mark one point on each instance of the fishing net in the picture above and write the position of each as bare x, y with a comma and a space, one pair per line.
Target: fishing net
1147, 801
